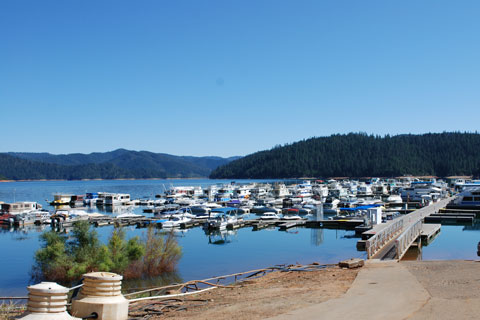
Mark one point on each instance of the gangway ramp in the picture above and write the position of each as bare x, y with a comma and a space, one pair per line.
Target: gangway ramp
405, 229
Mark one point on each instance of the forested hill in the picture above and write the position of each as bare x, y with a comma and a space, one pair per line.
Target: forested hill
361, 155
118, 164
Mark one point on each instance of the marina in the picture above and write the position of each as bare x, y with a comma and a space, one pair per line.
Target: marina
232, 221
241, 160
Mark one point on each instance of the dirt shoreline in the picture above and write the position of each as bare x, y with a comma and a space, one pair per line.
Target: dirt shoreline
270, 295
450, 290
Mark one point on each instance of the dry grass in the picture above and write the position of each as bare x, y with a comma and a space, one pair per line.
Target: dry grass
11, 310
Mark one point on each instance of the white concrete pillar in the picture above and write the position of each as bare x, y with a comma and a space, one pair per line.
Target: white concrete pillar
101, 294
47, 301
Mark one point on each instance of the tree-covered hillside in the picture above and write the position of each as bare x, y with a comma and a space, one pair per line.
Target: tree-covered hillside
14, 168
360, 155
118, 164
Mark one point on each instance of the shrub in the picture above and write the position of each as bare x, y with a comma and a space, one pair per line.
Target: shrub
63, 260
162, 254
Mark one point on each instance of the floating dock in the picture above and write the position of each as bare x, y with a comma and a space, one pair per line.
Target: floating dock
346, 224
429, 231
291, 224
451, 218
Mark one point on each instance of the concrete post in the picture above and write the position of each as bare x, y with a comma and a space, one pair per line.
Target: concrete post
47, 301
101, 294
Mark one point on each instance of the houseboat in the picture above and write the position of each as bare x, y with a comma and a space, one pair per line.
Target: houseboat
469, 199
117, 199
61, 199
20, 207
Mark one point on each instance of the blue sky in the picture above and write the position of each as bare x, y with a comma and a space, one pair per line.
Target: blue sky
232, 77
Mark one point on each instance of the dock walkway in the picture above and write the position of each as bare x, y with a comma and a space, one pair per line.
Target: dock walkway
400, 233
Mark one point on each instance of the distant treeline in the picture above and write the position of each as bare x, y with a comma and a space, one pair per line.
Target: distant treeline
118, 164
362, 155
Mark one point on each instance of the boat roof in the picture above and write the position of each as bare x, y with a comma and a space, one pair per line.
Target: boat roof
360, 207
224, 209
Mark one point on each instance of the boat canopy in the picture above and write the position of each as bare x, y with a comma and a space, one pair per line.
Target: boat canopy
225, 210
360, 207
91, 195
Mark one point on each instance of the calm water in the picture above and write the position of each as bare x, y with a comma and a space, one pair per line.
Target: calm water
203, 255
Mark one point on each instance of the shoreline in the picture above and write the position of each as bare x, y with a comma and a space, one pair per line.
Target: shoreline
428, 289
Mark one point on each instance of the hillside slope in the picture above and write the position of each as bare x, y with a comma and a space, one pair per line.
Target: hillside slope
118, 164
360, 155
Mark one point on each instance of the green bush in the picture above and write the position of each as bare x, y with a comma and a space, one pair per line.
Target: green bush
63, 260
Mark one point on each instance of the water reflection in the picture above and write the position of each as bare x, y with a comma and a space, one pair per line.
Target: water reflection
316, 237
221, 237
25, 230
131, 285
179, 232
474, 227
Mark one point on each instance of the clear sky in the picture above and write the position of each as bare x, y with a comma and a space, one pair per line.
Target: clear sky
232, 77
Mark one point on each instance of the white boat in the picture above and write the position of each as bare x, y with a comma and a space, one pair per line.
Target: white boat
219, 222
281, 191
42, 216
321, 191
175, 221
185, 201
304, 190
469, 199
221, 217
33, 217
421, 190
331, 207
19, 207
394, 199
364, 190
269, 216
291, 217
116, 199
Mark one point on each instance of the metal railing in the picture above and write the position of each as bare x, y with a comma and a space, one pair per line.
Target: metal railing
378, 241
405, 240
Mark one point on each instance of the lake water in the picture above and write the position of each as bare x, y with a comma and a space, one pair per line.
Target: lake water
203, 257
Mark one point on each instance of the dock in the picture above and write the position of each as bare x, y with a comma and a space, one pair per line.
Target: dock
345, 224
391, 240
429, 231
450, 218
291, 224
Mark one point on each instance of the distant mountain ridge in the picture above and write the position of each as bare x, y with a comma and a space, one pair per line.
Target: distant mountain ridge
117, 164
362, 155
